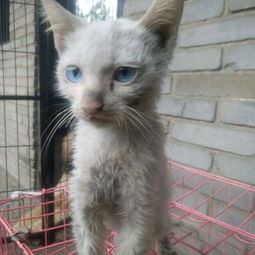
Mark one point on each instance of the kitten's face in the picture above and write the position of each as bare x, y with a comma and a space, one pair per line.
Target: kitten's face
109, 70
108, 67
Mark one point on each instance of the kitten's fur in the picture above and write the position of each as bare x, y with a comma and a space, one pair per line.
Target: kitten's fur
120, 178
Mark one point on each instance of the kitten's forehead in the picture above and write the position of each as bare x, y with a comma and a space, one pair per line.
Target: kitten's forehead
114, 42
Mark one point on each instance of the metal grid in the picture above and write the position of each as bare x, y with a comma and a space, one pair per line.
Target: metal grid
19, 97
35, 210
212, 216
217, 213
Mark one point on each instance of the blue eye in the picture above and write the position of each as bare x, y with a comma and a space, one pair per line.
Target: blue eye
125, 74
73, 74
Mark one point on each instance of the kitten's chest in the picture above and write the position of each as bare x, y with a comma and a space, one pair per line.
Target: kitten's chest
105, 181
108, 167
102, 163
99, 159
97, 147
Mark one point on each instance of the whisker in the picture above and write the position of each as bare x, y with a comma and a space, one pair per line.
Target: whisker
52, 132
60, 123
46, 129
122, 120
47, 143
117, 119
144, 124
133, 121
140, 122
72, 117
141, 113
143, 119
56, 105
73, 123
125, 122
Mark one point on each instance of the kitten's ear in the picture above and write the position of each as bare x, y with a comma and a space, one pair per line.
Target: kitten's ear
62, 22
163, 19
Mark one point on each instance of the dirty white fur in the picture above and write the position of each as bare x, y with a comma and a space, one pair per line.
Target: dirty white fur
120, 179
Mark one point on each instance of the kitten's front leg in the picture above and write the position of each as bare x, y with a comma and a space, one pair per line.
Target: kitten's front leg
134, 240
137, 232
89, 232
88, 227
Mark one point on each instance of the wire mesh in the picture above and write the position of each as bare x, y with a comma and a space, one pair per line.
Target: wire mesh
19, 125
211, 215
33, 227
217, 213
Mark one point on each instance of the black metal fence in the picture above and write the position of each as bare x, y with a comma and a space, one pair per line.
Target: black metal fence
19, 97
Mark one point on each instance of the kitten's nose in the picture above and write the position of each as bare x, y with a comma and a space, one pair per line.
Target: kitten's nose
92, 107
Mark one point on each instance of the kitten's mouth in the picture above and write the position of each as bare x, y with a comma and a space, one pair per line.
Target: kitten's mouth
98, 118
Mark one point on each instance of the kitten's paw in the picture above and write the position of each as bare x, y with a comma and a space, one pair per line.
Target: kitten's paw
165, 247
174, 253
163, 251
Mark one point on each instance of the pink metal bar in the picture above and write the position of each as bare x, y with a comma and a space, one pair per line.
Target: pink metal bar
218, 222
212, 176
217, 232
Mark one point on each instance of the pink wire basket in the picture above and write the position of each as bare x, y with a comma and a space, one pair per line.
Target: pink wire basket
211, 215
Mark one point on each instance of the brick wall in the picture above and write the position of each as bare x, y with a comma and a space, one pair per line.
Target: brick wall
19, 118
208, 101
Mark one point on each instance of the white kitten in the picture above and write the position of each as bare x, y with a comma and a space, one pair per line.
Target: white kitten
111, 72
